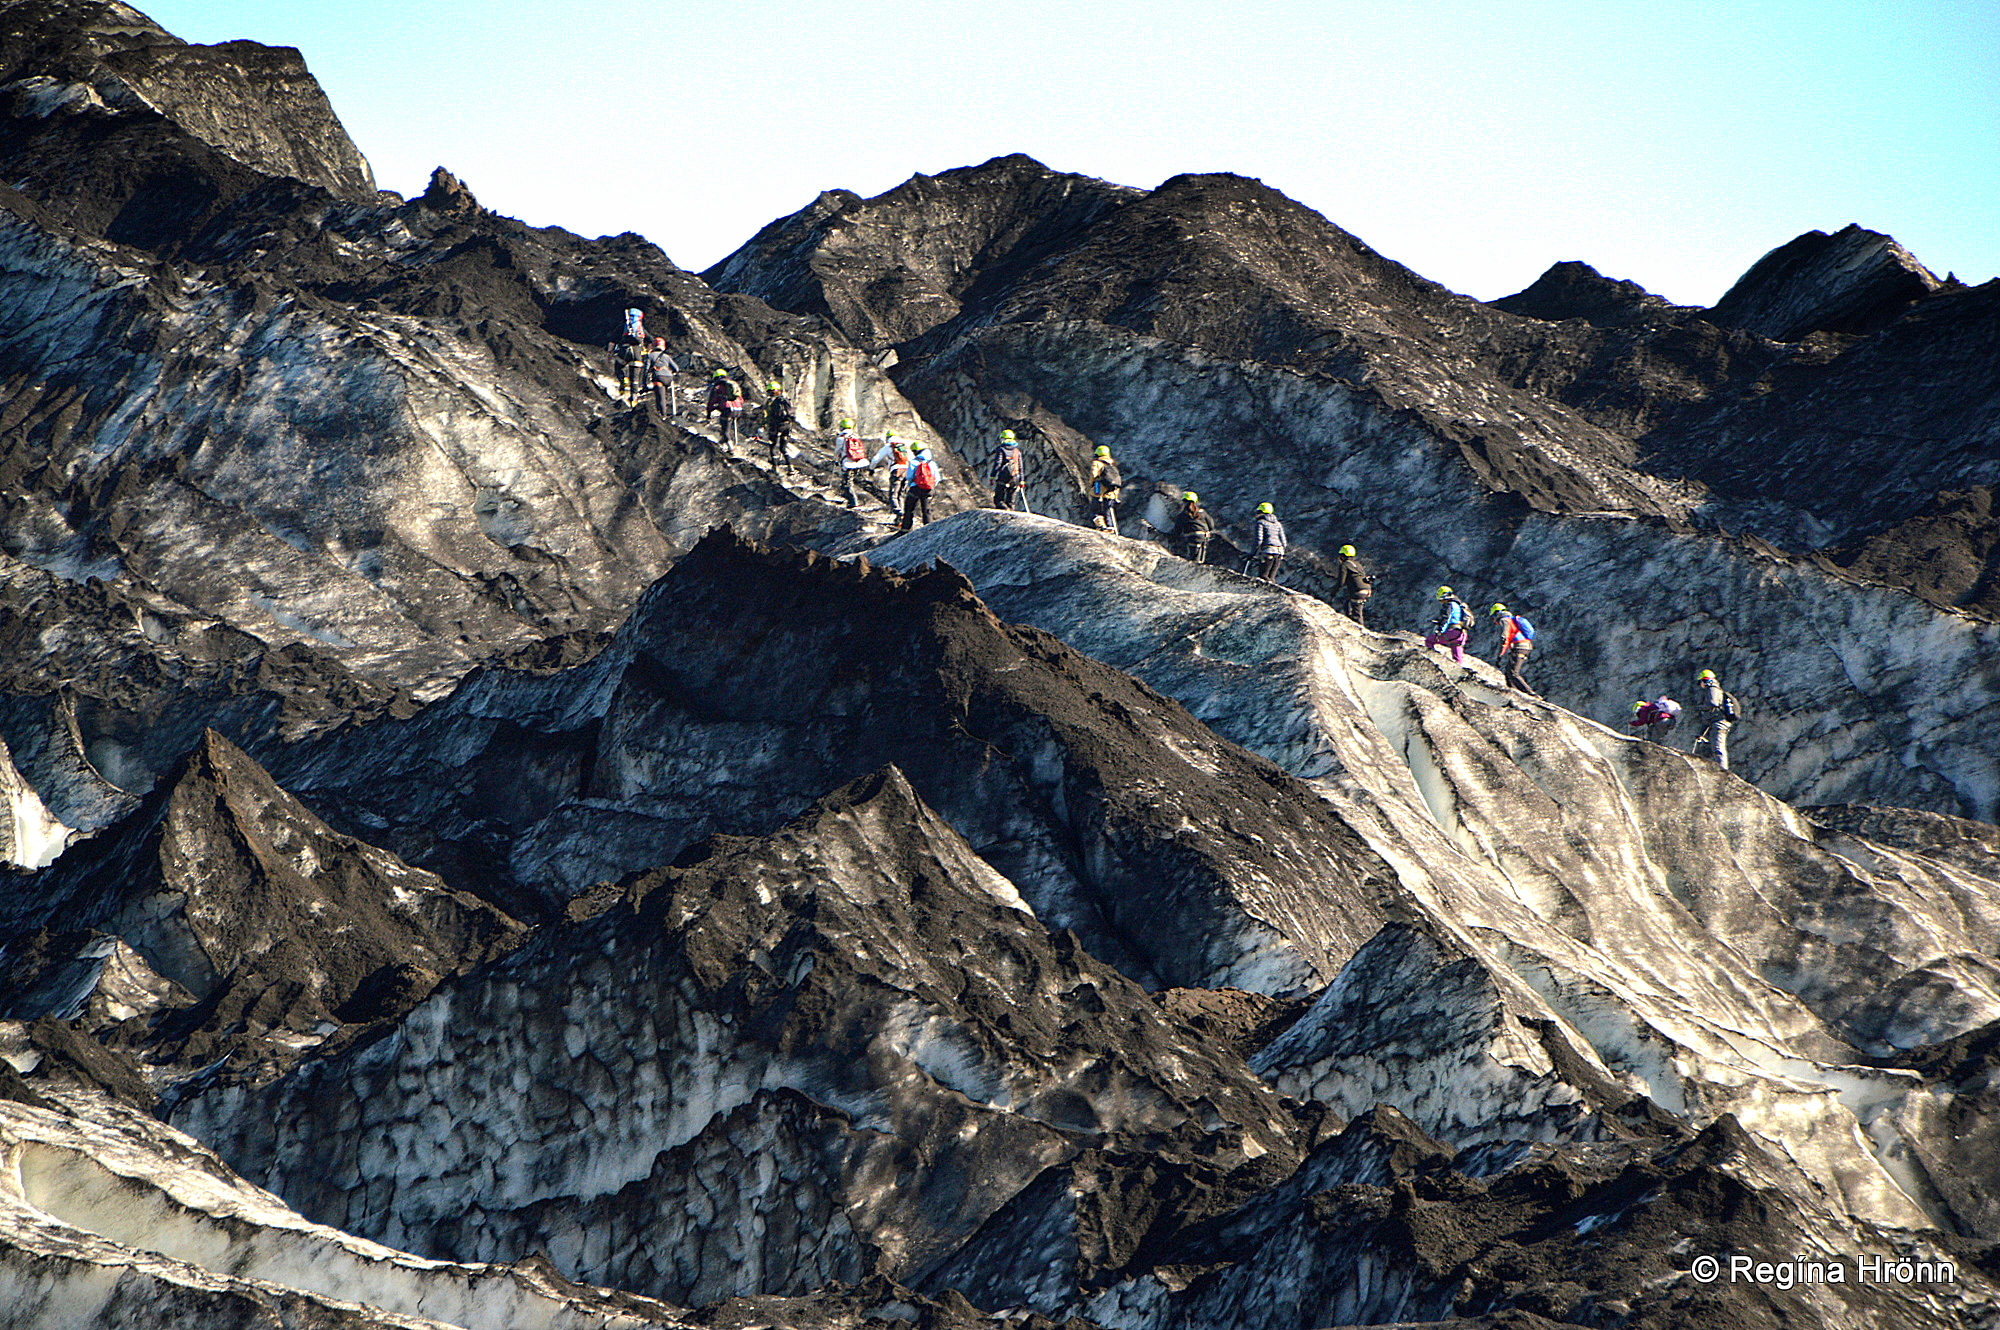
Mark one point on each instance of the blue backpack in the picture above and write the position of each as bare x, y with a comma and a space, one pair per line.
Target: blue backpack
1524, 628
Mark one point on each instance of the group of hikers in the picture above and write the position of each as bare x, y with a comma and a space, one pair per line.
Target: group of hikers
1655, 719
912, 477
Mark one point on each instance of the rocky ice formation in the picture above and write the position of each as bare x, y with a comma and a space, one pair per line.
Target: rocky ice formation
1627, 477
838, 1050
1575, 290
577, 915
857, 261
748, 682
222, 923
109, 66
279, 417
1853, 281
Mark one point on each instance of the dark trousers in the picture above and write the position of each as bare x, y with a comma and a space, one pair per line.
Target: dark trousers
1195, 548
914, 502
847, 485
780, 436
663, 399
1006, 494
1268, 564
1510, 669
725, 425
1357, 610
1107, 514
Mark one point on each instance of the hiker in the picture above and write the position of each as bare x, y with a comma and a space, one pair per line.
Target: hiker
1193, 528
1354, 586
723, 402
923, 481
1105, 482
778, 418
1452, 626
630, 350
895, 453
852, 454
1008, 472
1517, 643
1719, 712
1270, 543
1656, 718
660, 368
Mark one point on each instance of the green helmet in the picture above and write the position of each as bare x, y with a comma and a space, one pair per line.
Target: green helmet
770, 387
1444, 593
1007, 435
1347, 551
847, 424
1498, 608
1103, 451
1190, 496
720, 374
1266, 508
1640, 705
1706, 674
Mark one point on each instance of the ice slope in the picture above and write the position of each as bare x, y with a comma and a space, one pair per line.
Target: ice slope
30, 836
1690, 937
110, 1219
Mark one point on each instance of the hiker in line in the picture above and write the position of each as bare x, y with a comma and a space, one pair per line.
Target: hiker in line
1452, 626
1008, 472
1354, 586
632, 356
778, 418
1193, 528
1656, 719
723, 402
895, 453
1719, 712
1270, 543
852, 454
1517, 643
660, 368
1105, 482
923, 480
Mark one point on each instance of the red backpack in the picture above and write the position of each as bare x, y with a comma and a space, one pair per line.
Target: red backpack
926, 475
855, 452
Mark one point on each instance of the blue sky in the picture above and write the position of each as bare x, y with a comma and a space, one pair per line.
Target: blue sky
1668, 143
